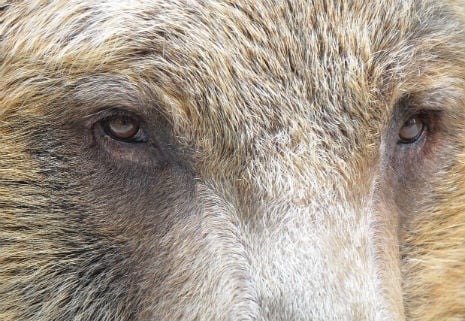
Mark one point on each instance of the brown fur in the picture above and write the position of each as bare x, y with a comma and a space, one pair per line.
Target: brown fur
272, 185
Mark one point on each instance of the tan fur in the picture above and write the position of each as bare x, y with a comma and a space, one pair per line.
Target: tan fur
272, 185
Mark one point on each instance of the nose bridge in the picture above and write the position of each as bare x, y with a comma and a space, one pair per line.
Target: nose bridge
317, 262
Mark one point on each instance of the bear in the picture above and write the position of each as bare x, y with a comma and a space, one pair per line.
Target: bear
232, 160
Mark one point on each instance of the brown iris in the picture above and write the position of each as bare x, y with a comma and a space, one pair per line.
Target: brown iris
412, 130
122, 128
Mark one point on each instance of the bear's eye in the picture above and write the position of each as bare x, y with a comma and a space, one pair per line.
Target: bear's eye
411, 130
123, 128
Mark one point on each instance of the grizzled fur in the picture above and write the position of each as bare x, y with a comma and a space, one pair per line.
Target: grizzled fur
270, 183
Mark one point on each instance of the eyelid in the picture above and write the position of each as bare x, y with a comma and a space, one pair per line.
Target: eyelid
99, 115
107, 112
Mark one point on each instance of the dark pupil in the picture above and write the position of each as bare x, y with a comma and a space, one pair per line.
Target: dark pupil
122, 127
412, 129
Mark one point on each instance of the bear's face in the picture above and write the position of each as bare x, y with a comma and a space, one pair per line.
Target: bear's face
172, 160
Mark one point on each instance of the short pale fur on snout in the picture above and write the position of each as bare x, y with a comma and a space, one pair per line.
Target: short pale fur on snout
232, 160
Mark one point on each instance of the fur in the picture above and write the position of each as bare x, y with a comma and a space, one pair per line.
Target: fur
270, 184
